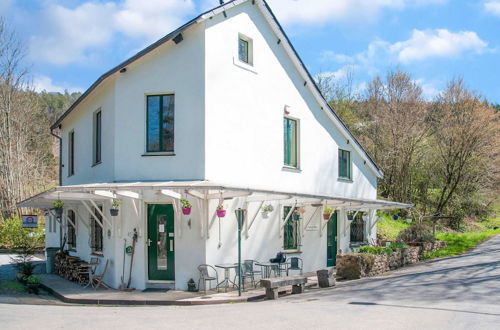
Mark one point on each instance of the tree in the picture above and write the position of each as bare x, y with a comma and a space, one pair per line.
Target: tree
466, 134
395, 131
26, 159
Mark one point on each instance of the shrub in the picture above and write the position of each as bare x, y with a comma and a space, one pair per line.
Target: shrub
417, 233
13, 235
375, 250
398, 245
33, 279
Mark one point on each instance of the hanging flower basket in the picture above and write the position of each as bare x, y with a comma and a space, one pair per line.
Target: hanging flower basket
327, 216
114, 207
221, 213
186, 207
186, 210
265, 214
327, 213
58, 207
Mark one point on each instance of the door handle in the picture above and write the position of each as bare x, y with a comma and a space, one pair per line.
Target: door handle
149, 242
171, 245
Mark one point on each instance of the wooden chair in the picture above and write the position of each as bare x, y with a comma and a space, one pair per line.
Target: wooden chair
97, 280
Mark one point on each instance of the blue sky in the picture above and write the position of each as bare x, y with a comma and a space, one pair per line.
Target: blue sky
70, 43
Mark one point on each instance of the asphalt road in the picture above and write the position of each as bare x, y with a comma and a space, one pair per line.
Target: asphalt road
454, 293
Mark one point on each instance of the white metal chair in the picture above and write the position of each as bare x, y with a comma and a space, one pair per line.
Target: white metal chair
206, 277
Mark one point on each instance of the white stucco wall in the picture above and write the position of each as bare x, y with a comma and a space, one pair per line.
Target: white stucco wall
244, 116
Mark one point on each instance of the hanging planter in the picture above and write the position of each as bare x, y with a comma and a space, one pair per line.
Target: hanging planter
327, 213
221, 213
114, 207
58, 207
186, 207
266, 209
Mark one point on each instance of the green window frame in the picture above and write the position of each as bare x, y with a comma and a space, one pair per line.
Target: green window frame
291, 142
97, 137
71, 153
71, 231
160, 123
345, 166
243, 50
291, 233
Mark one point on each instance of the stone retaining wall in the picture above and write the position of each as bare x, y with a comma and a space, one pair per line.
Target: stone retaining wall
357, 265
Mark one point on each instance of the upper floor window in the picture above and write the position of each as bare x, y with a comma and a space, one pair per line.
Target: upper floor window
71, 153
345, 164
160, 123
71, 230
245, 49
97, 137
291, 141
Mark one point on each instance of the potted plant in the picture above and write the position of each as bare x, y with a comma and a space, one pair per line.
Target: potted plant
186, 207
33, 283
58, 207
114, 207
266, 209
327, 213
221, 212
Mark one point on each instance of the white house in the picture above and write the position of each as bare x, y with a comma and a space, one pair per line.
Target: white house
220, 111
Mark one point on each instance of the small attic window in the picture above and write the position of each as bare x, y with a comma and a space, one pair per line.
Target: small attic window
245, 49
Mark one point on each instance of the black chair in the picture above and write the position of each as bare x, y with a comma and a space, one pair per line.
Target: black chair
250, 265
245, 273
280, 261
295, 264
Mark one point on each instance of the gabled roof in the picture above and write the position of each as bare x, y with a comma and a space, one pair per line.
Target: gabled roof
284, 40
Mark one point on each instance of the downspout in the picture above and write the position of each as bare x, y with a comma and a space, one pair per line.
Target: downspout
60, 154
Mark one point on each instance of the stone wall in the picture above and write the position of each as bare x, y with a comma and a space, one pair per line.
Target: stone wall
357, 265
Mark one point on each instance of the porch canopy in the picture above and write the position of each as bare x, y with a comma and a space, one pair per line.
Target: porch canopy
203, 190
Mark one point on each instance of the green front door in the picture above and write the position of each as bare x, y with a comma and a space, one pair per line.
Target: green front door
161, 242
331, 244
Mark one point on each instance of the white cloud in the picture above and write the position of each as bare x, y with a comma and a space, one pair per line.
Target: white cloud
493, 7
429, 89
44, 83
437, 43
75, 35
324, 11
151, 19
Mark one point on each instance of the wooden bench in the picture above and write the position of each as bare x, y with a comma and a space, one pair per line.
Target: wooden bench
272, 285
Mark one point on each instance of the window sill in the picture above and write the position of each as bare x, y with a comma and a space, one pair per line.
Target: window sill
95, 164
291, 169
244, 66
347, 180
295, 251
148, 154
97, 254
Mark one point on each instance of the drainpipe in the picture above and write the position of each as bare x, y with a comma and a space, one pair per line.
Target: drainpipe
60, 154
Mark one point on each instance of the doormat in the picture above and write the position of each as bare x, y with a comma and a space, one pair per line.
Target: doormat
155, 290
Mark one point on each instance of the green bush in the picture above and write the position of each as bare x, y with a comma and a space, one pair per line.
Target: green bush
375, 250
416, 233
389, 229
14, 236
398, 245
33, 279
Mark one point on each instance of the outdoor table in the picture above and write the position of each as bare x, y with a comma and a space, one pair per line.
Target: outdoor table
227, 275
266, 268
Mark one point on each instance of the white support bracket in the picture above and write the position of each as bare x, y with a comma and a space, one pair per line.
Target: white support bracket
196, 194
373, 219
171, 193
288, 216
101, 213
69, 220
82, 220
177, 216
201, 207
249, 225
310, 218
92, 214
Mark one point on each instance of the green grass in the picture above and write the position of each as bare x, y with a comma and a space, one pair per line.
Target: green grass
459, 243
12, 287
389, 229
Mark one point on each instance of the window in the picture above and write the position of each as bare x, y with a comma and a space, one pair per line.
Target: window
357, 227
96, 231
291, 235
160, 123
97, 136
71, 153
291, 142
71, 230
245, 49
345, 164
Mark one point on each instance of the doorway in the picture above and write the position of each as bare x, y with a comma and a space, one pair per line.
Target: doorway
161, 242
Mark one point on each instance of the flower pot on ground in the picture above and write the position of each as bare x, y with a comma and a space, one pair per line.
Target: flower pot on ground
327, 213
114, 207
221, 213
58, 207
186, 207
